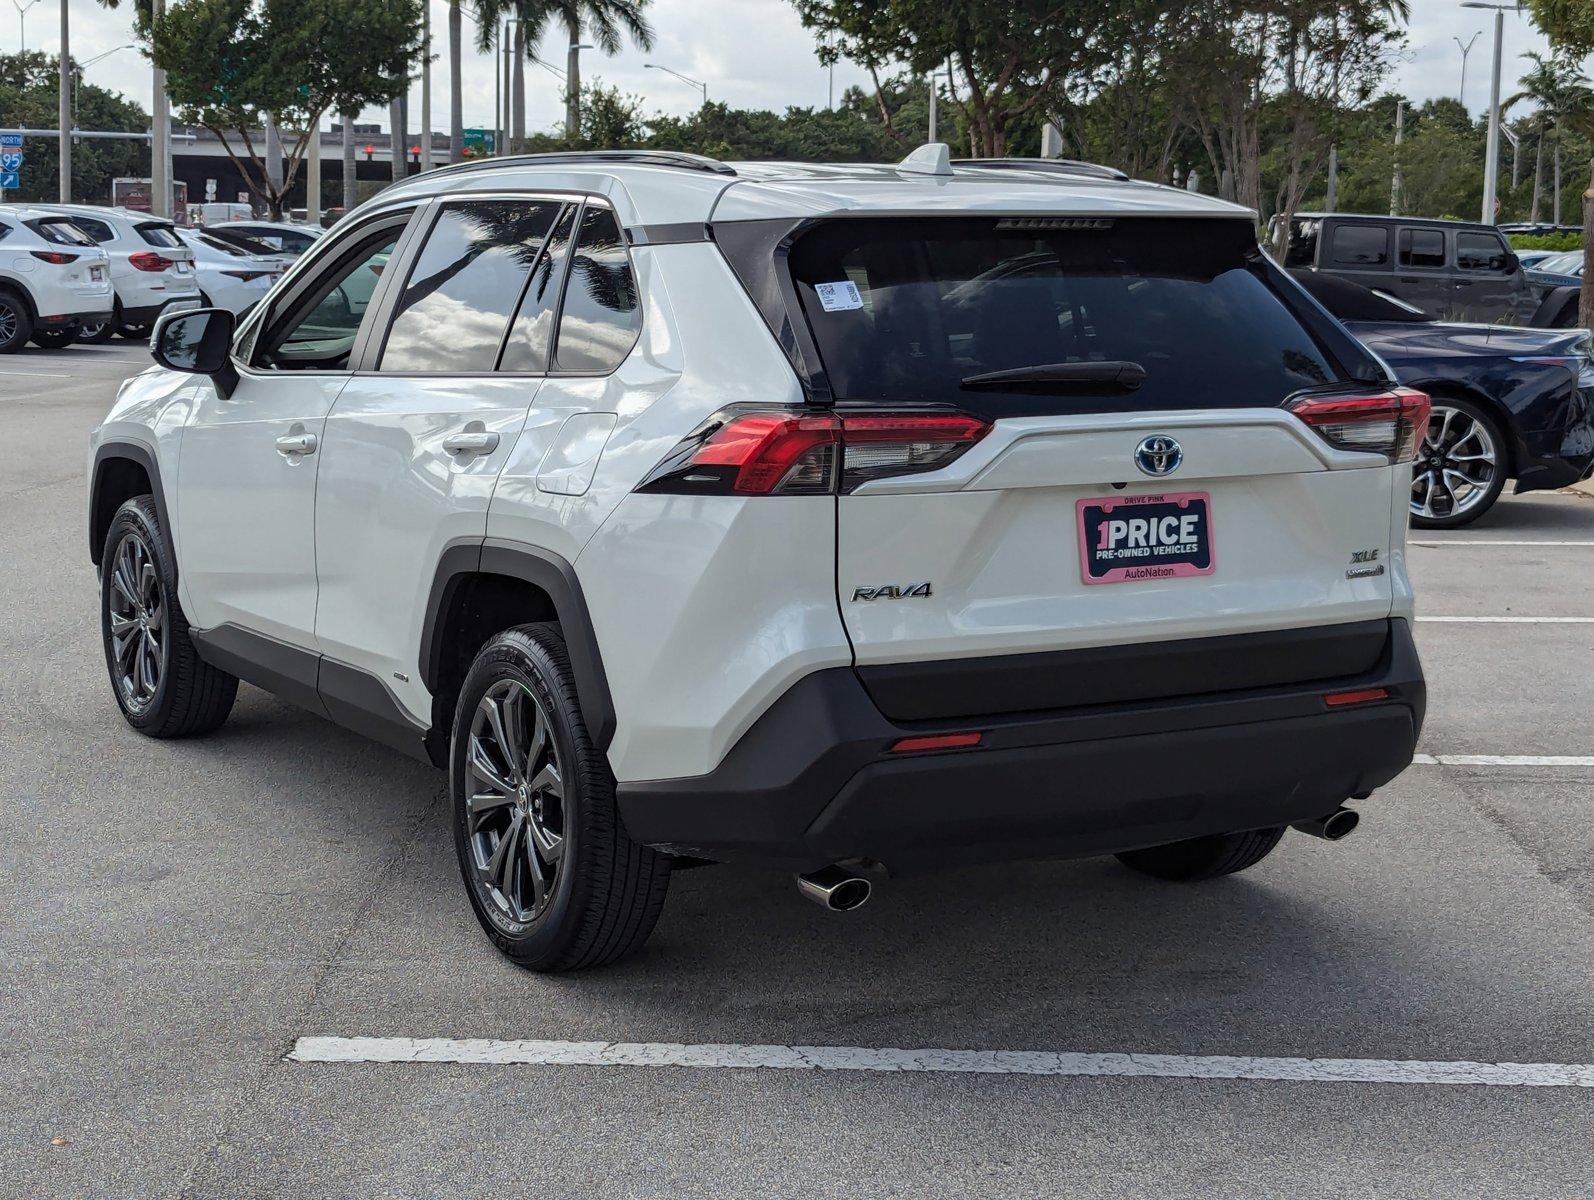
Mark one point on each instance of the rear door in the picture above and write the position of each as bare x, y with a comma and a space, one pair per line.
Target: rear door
1422, 270
1143, 484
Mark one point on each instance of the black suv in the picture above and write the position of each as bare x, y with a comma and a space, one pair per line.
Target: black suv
1452, 270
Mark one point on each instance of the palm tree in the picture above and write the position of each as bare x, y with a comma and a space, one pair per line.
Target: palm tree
1556, 87
606, 21
456, 83
531, 17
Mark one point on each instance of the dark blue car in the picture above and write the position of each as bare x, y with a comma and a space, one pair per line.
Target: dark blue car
1508, 402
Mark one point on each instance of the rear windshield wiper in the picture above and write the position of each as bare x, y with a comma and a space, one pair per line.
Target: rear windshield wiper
1085, 378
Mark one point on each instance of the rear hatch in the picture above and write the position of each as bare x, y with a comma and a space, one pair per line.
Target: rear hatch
1157, 450
169, 256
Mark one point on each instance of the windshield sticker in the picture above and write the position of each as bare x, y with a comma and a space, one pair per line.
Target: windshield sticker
838, 297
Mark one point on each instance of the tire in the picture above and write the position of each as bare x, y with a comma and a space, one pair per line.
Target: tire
1458, 433
54, 339
133, 332
571, 890
138, 585
96, 335
16, 326
1204, 857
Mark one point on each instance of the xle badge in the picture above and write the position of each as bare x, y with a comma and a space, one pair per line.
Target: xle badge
908, 591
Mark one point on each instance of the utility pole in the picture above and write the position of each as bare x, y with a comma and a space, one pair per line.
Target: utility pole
1332, 202
64, 116
1394, 183
312, 179
160, 146
396, 132
426, 87
351, 190
1491, 165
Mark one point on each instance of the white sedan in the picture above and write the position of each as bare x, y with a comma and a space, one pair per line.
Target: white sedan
230, 276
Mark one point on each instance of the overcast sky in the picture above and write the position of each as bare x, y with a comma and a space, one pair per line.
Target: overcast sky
751, 53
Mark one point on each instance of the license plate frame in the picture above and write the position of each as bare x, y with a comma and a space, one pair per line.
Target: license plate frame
1151, 550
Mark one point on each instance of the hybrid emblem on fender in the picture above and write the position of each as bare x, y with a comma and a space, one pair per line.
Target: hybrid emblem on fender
1158, 455
908, 591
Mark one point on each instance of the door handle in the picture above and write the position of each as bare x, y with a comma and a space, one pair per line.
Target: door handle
293, 444
471, 443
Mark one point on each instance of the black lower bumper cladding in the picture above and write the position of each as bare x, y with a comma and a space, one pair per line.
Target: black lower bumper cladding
814, 780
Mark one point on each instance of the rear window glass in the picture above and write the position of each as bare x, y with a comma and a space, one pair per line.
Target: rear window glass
1360, 246
62, 232
1422, 248
160, 235
907, 310
1480, 252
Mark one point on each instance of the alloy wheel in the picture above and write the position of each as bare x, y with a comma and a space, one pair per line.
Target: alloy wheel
138, 623
515, 803
8, 321
1456, 466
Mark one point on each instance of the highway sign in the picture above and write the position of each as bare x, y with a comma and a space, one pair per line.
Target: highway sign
10, 141
9, 180
10, 160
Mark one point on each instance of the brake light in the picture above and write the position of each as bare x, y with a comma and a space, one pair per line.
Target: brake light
148, 260
796, 452
1392, 423
58, 258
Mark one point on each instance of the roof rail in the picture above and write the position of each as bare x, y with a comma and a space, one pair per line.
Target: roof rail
640, 158
1051, 166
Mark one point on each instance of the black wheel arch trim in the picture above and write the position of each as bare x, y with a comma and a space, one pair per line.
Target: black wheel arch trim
555, 576
143, 456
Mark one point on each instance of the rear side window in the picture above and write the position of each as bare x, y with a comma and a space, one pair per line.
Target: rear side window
456, 304
157, 234
1360, 246
1480, 252
1422, 248
909, 310
97, 230
61, 231
602, 314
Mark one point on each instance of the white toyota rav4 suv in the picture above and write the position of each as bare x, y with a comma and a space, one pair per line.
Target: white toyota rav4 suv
845, 519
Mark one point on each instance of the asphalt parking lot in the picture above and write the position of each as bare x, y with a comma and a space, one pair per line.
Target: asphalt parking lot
177, 915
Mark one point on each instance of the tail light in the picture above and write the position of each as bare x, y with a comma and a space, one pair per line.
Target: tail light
1392, 423
57, 257
148, 260
791, 452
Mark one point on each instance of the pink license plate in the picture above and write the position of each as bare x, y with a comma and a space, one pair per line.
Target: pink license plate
1127, 539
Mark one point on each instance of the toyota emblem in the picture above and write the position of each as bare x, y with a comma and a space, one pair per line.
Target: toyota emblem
1158, 455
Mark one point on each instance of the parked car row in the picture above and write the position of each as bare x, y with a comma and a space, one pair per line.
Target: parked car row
81, 272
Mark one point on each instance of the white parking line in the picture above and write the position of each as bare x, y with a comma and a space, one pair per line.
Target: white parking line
1490, 542
1510, 620
39, 374
1503, 760
489, 1052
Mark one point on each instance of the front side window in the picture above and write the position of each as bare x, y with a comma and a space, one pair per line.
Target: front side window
602, 315
317, 332
1422, 248
1361, 246
1481, 252
916, 311
456, 304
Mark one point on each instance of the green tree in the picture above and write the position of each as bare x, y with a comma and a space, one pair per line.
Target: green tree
29, 91
1569, 24
232, 64
1013, 60
608, 23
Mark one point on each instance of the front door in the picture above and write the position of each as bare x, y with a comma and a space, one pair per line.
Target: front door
247, 475
1489, 286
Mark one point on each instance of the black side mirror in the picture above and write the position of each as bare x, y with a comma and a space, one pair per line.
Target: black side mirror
198, 341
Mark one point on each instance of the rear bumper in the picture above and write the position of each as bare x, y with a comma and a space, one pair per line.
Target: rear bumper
813, 781
145, 314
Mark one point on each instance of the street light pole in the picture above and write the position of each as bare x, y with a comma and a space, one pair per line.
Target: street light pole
64, 108
22, 24
1466, 49
426, 86
1491, 166
160, 149
697, 83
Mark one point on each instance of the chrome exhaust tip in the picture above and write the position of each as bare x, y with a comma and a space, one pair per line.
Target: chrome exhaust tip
1332, 827
835, 888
